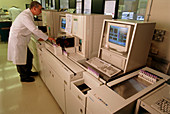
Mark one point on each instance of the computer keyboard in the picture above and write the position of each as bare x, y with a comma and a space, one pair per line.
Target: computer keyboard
162, 106
103, 66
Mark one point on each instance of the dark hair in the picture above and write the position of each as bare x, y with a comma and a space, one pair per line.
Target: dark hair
34, 3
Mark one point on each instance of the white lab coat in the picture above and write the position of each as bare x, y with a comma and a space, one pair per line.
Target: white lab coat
20, 35
14, 12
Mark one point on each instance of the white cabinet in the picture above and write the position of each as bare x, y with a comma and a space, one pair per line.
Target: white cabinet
51, 75
42, 71
76, 97
57, 72
58, 90
56, 86
73, 105
56, 75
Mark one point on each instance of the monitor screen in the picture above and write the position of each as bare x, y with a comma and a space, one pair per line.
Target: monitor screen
63, 23
118, 36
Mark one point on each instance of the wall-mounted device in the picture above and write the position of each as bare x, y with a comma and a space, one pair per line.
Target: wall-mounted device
159, 35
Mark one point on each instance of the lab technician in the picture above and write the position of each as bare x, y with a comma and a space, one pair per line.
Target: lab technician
20, 34
14, 12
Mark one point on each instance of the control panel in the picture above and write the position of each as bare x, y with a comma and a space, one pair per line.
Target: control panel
162, 105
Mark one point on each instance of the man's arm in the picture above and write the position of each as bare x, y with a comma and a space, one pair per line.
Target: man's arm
51, 39
28, 22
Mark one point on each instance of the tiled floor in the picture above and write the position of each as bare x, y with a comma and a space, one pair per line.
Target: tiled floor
22, 98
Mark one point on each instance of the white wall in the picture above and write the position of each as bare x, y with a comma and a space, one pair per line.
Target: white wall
160, 13
19, 3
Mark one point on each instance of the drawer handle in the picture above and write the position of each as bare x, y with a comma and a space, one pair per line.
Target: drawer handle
81, 111
79, 97
66, 69
65, 82
143, 105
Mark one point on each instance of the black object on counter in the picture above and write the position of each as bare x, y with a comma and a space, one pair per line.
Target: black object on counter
4, 30
65, 42
43, 28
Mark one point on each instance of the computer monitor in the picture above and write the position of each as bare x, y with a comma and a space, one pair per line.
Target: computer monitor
118, 36
62, 24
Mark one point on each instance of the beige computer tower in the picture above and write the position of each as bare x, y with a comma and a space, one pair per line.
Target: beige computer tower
47, 18
51, 20
57, 20
87, 31
138, 45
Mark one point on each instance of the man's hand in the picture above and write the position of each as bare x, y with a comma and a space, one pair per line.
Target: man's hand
51, 39
40, 39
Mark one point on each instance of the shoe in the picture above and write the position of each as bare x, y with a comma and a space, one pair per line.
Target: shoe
33, 73
28, 79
